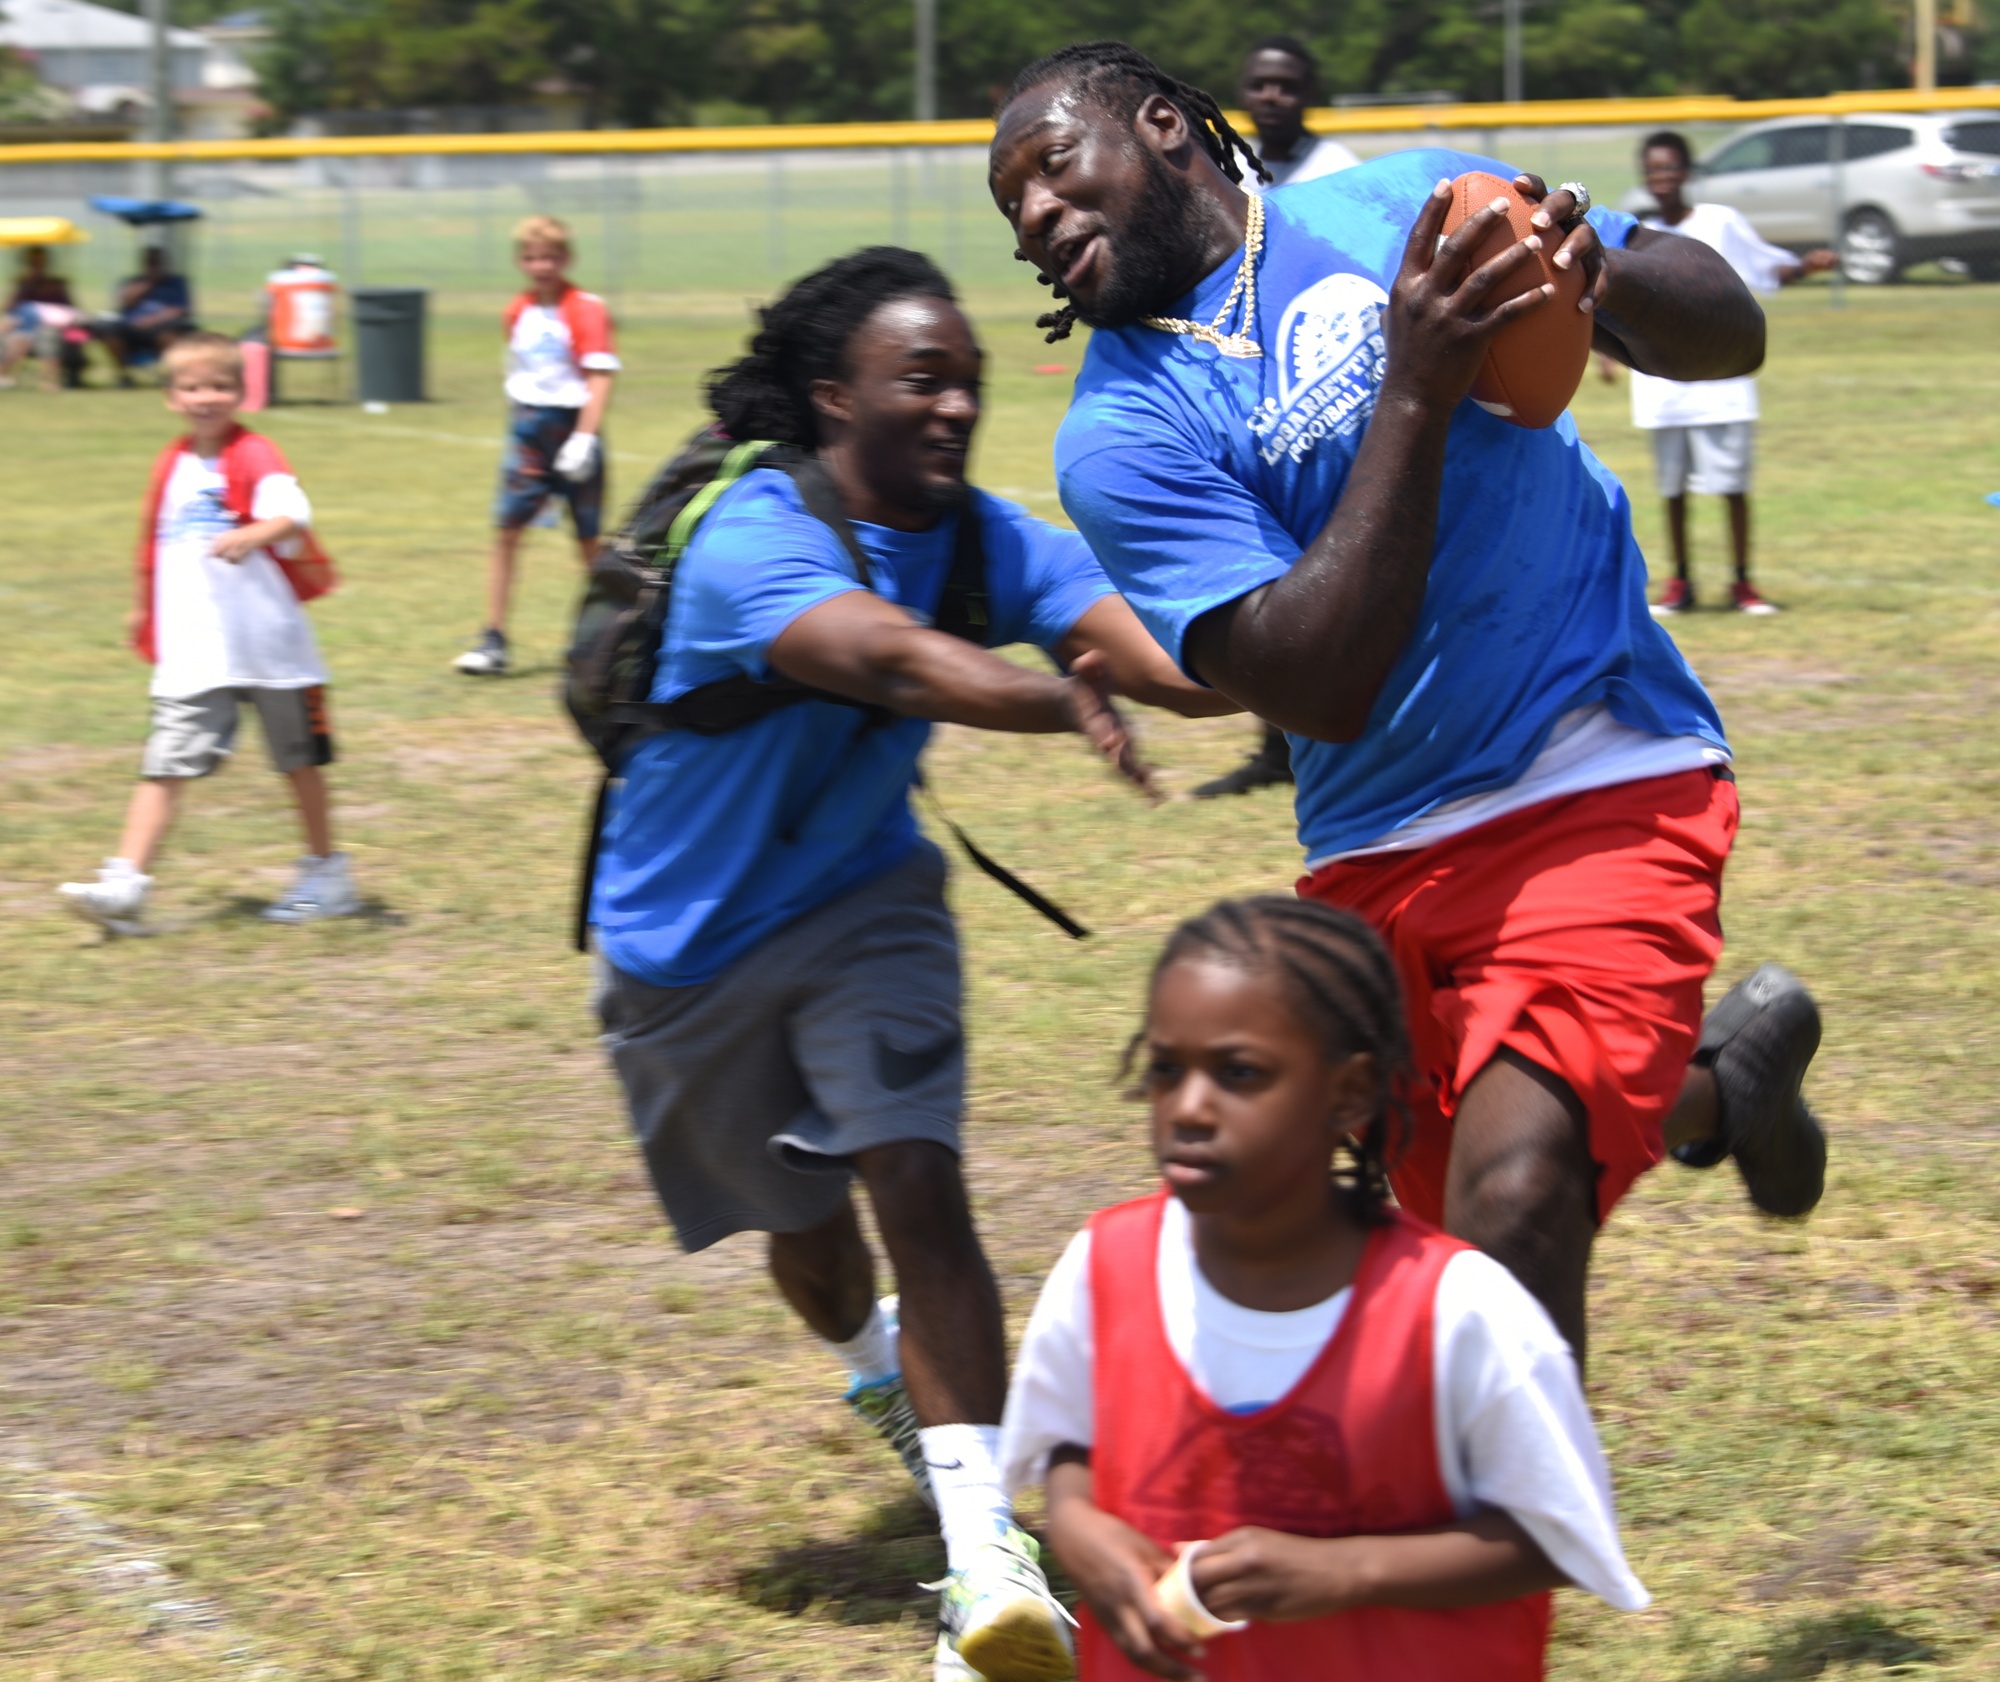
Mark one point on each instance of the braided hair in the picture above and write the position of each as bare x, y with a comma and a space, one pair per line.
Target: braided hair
803, 338
1343, 986
1122, 79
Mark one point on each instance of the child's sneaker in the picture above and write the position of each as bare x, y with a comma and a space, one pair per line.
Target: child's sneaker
485, 658
114, 902
1744, 598
1677, 597
998, 1620
322, 888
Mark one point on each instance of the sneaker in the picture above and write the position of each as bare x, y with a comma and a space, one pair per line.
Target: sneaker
1677, 597
997, 1619
114, 902
1269, 767
485, 658
884, 1407
1744, 598
322, 888
1758, 1042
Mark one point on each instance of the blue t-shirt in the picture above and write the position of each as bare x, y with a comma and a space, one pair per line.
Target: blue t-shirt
1198, 477
712, 843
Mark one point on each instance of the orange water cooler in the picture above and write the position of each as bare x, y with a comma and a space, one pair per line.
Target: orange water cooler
303, 297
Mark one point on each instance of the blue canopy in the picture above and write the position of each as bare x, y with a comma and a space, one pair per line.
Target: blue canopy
139, 212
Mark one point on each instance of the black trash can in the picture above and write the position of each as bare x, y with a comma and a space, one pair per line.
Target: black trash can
389, 343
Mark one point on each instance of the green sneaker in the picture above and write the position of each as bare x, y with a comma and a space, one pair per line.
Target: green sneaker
884, 1407
998, 1621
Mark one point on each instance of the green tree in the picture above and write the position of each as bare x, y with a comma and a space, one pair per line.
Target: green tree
1776, 49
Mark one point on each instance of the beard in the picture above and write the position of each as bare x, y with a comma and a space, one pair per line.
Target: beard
1154, 250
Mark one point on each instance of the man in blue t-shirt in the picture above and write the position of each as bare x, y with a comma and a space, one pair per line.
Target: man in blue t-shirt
1502, 762
780, 988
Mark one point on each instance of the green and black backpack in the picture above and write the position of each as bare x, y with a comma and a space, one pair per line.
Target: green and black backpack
614, 652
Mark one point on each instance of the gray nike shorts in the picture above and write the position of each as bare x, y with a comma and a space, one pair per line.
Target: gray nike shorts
750, 1093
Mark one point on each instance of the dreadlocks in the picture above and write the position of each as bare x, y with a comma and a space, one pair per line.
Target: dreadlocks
1344, 988
803, 338
1122, 79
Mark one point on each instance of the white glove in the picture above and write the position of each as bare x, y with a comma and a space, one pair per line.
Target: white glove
577, 459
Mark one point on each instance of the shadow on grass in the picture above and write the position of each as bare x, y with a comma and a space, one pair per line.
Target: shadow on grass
867, 1578
249, 908
1809, 1647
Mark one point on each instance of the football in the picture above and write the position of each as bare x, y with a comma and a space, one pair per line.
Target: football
1534, 365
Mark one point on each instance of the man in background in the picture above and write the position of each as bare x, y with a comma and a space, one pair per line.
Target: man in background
154, 308
1279, 83
1704, 431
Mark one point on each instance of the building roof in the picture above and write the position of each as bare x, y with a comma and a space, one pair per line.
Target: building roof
54, 25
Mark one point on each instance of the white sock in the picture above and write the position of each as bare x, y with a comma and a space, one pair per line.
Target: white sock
964, 1463
871, 1354
124, 867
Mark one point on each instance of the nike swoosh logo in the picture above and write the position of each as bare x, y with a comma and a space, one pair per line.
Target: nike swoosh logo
899, 1070
945, 1465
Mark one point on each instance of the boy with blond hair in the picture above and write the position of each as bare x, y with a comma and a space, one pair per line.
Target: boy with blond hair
560, 363
226, 557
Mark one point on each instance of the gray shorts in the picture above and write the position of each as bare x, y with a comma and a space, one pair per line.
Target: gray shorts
1708, 460
192, 734
750, 1093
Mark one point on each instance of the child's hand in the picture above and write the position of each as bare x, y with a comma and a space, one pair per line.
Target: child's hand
1116, 1567
233, 546
1253, 1573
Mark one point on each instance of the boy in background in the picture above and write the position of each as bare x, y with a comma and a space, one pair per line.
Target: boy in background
226, 557
560, 363
1704, 432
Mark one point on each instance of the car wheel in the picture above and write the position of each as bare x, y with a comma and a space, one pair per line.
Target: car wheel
1983, 268
1869, 249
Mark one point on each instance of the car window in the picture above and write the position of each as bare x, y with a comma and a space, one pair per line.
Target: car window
1871, 140
1753, 151
1975, 137
1792, 147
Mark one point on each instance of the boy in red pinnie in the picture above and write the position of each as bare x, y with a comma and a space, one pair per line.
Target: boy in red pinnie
226, 557
1366, 1438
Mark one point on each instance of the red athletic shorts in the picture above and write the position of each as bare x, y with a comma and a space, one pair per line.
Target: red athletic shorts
1578, 933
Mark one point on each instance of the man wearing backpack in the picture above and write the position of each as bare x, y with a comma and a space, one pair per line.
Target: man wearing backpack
780, 981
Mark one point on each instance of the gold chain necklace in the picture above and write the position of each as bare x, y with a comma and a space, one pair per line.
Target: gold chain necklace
1245, 287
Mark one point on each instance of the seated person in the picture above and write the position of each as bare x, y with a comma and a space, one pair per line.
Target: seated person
154, 309
38, 313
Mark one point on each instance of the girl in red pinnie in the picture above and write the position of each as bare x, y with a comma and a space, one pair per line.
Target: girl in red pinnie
1285, 1429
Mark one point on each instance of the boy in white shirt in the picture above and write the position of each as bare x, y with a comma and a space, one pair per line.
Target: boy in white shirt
1704, 432
560, 364
226, 557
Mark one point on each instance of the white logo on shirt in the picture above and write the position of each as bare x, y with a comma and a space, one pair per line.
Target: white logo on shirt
1329, 357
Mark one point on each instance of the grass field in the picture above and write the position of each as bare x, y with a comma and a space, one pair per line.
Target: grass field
340, 1339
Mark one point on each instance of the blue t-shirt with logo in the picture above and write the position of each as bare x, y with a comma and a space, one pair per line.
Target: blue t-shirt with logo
711, 843
1198, 477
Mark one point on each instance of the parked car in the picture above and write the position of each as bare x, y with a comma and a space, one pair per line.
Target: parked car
1912, 189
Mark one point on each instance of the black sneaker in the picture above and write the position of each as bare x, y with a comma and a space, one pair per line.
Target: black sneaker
1269, 767
487, 657
1758, 1043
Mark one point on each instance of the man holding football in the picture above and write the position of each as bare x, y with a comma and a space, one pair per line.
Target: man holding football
1502, 762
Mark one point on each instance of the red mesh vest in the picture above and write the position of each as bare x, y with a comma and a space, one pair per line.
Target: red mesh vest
1352, 1450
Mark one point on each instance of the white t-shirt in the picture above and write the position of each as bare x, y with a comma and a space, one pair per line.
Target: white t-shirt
223, 624
1513, 1430
543, 368
1587, 749
1314, 156
1725, 229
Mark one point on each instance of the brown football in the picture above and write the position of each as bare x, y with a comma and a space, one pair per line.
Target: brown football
1534, 365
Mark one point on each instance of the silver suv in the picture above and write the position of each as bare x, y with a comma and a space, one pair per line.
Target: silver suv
1912, 188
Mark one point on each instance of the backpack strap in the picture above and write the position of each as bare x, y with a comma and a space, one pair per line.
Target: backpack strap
965, 608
